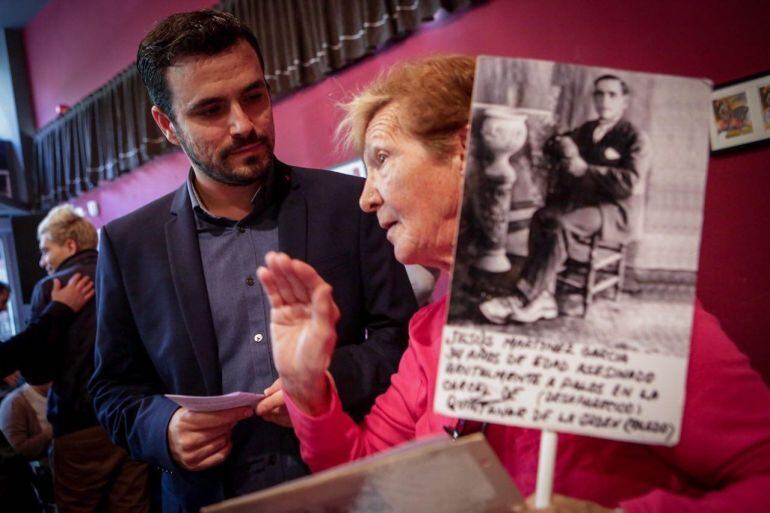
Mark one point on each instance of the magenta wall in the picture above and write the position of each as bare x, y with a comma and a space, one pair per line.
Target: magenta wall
76, 45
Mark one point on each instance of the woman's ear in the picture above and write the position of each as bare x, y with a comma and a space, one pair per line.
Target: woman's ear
463, 135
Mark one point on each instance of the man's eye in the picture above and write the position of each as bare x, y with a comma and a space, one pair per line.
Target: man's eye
211, 111
381, 157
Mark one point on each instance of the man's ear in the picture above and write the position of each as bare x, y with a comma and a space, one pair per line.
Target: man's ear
71, 246
165, 125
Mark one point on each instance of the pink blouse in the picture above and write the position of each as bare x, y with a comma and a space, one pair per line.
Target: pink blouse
721, 464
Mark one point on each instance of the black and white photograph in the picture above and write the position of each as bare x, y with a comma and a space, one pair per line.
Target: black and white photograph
582, 213
583, 204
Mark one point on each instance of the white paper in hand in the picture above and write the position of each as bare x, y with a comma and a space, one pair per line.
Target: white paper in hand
216, 402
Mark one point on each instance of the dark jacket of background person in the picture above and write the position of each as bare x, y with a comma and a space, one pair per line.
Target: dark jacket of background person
16, 492
155, 330
17, 352
68, 363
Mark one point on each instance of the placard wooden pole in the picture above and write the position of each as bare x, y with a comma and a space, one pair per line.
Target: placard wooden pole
545, 467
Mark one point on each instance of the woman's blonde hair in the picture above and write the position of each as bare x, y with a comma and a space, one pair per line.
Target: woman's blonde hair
62, 224
434, 96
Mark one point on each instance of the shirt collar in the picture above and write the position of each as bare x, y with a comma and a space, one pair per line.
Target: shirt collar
602, 127
262, 199
609, 122
78, 258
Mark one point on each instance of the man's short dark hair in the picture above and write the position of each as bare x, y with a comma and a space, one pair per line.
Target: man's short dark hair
204, 32
4, 287
623, 86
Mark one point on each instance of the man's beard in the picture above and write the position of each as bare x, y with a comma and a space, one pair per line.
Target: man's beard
257, 165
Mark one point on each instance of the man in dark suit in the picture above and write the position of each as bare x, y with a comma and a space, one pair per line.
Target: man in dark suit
179, 307
598, 189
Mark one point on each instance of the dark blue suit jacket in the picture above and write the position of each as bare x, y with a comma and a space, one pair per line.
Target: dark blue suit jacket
155, 333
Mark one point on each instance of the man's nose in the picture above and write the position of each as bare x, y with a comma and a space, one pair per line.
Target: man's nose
240, 123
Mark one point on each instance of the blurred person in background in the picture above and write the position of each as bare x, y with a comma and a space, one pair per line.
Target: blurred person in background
90, 472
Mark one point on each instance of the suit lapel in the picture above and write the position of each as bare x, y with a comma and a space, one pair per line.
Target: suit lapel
190, 286
292, 218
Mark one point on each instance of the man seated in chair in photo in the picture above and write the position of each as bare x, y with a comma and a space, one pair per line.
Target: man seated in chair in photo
597, 189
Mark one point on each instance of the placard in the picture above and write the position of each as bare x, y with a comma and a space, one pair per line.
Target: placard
572, 295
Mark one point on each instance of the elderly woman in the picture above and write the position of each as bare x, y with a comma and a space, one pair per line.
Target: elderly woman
411, 126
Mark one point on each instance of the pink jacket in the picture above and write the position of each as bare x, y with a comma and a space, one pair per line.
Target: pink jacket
721, 464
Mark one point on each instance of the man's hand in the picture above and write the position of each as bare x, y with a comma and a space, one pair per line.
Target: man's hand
569, 154
575, 166
562, 504
78, 292
567, 147
273, 407
200, 440
302, 326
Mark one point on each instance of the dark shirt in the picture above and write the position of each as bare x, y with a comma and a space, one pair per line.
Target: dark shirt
230, 252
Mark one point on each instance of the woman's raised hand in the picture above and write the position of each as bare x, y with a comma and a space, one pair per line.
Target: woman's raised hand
302, 327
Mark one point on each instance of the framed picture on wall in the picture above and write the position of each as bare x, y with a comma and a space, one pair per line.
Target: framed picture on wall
740, 112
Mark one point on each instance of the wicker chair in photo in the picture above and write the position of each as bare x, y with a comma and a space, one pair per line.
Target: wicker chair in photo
604, 269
